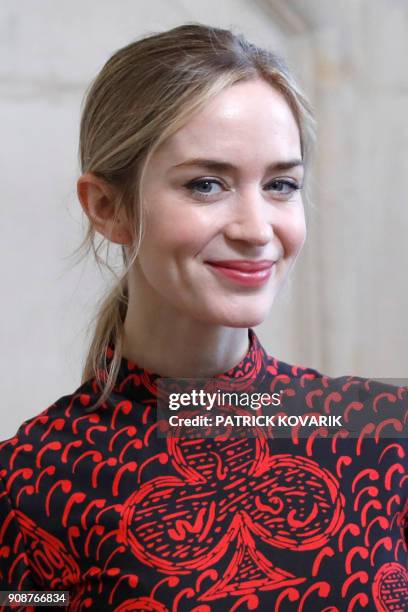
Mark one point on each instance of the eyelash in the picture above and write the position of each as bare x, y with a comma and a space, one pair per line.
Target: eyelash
192, 186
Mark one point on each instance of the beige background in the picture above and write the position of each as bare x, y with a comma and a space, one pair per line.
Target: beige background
343, 311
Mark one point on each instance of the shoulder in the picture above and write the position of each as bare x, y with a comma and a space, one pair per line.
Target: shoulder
46, 431
372, 407
349, 385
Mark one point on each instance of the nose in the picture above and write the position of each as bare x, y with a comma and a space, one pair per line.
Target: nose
250, 220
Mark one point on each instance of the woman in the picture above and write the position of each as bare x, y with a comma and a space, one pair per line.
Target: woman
194, 145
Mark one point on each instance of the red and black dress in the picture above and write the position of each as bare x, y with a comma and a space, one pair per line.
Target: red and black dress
96, 503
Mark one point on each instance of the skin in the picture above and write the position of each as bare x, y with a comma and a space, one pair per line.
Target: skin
183, 319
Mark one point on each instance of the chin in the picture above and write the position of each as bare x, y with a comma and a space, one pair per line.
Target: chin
246, 318
246, 322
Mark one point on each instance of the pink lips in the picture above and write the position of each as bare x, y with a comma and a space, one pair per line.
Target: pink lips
245, 272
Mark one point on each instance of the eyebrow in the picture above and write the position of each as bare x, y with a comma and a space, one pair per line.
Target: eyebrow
223, 166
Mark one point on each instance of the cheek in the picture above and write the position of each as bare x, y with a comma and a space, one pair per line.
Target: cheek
293, 233
177, 229
169, 237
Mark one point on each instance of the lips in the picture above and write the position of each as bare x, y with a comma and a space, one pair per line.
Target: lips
243, 272
249, 266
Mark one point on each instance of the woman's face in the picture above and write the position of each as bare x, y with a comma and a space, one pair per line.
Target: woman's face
224, 216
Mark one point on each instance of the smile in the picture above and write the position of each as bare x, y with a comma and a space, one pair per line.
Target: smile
249, 274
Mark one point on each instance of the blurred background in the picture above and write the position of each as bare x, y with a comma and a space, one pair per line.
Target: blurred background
344, 310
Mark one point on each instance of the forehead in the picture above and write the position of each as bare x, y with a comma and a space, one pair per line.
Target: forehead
248, 121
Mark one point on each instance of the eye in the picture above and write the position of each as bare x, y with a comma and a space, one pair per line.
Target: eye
283, 188
204, 187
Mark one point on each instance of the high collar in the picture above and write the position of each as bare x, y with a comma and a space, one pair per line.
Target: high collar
135, 381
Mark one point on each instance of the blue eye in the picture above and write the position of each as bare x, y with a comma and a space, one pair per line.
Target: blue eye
204, 187
283, 187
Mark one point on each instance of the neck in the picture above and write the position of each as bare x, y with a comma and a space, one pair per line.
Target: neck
162, 340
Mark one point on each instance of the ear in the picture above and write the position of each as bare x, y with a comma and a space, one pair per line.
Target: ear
98, 199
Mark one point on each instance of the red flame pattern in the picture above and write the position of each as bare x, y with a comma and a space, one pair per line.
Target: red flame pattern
94, 502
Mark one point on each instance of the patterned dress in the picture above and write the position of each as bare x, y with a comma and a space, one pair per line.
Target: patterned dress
95, 502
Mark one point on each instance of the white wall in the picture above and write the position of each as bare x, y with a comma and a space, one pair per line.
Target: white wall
360, 224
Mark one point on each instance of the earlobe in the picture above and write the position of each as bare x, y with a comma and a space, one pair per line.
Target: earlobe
98, 200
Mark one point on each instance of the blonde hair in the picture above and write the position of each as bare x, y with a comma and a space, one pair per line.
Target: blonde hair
144, 93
